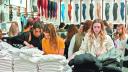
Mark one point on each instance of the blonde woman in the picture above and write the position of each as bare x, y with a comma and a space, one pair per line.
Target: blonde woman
120, 37
96, 42
14, 29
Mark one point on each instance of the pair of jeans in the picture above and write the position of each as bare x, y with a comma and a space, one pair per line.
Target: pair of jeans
107, 6
76, 11
115, 7
84, 11
62, 11
122, 10
91, 11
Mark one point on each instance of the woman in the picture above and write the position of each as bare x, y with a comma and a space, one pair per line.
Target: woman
29, 25
51, 43
78, 37
96, 42
14, 29
120, 40
72, 30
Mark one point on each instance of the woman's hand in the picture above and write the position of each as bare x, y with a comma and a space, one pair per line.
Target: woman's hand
28, 45
71, 57
100, 52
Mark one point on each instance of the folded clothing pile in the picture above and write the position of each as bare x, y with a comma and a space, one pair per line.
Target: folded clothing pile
21, 65
53, 63
6, 64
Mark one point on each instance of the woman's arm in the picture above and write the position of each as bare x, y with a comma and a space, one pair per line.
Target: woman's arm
71, 46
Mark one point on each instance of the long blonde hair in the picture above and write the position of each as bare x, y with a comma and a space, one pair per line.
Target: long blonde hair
101, 34
13, 28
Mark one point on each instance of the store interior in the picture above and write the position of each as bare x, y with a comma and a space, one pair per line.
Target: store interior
57, 12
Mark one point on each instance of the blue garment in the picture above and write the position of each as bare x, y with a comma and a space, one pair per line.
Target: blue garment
76, 11
107, 6
122, 10
115, 7
55, 10
23, 21
91, 10
84, 11
62, 11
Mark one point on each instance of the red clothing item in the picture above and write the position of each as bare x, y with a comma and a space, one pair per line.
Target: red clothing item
39, 4
45, 7
69, 11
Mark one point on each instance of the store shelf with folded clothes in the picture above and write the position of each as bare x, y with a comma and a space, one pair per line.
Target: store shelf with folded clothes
6, 64
21, 65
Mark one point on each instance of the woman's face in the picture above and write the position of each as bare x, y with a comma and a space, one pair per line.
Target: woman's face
96, 28
81, 28
47, 36
119, 30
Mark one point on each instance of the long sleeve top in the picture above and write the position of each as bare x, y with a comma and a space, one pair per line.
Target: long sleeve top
87, 47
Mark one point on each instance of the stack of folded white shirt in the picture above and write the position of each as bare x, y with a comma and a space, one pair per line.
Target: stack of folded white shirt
21, 65
6, 64
53, 63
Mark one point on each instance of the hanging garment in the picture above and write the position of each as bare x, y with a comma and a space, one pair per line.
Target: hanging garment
107, 6
84, 11
49, 8
52, 9
23, 21
40, 7
76, 11
2, 18
91, 10
45, 7
62, 11
10, 15
69, 11
98, 10
55, 10
115, 7
122, 10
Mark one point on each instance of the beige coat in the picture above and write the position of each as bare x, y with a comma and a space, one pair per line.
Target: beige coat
85, 46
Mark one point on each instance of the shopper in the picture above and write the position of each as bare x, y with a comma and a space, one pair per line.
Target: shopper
62, 32
120, 38
31, 39
14, 29
78, 37
72, 30
29, 25
52, 43
96, 42
108, 28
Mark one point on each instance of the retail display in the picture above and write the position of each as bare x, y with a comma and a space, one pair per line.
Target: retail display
107, 8
69, 11
84, 11
91, 10
63, 11
122, 10
115, 7
30, 60
98, 10
76, 11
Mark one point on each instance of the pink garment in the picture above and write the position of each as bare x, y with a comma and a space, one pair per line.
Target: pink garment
45, 8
